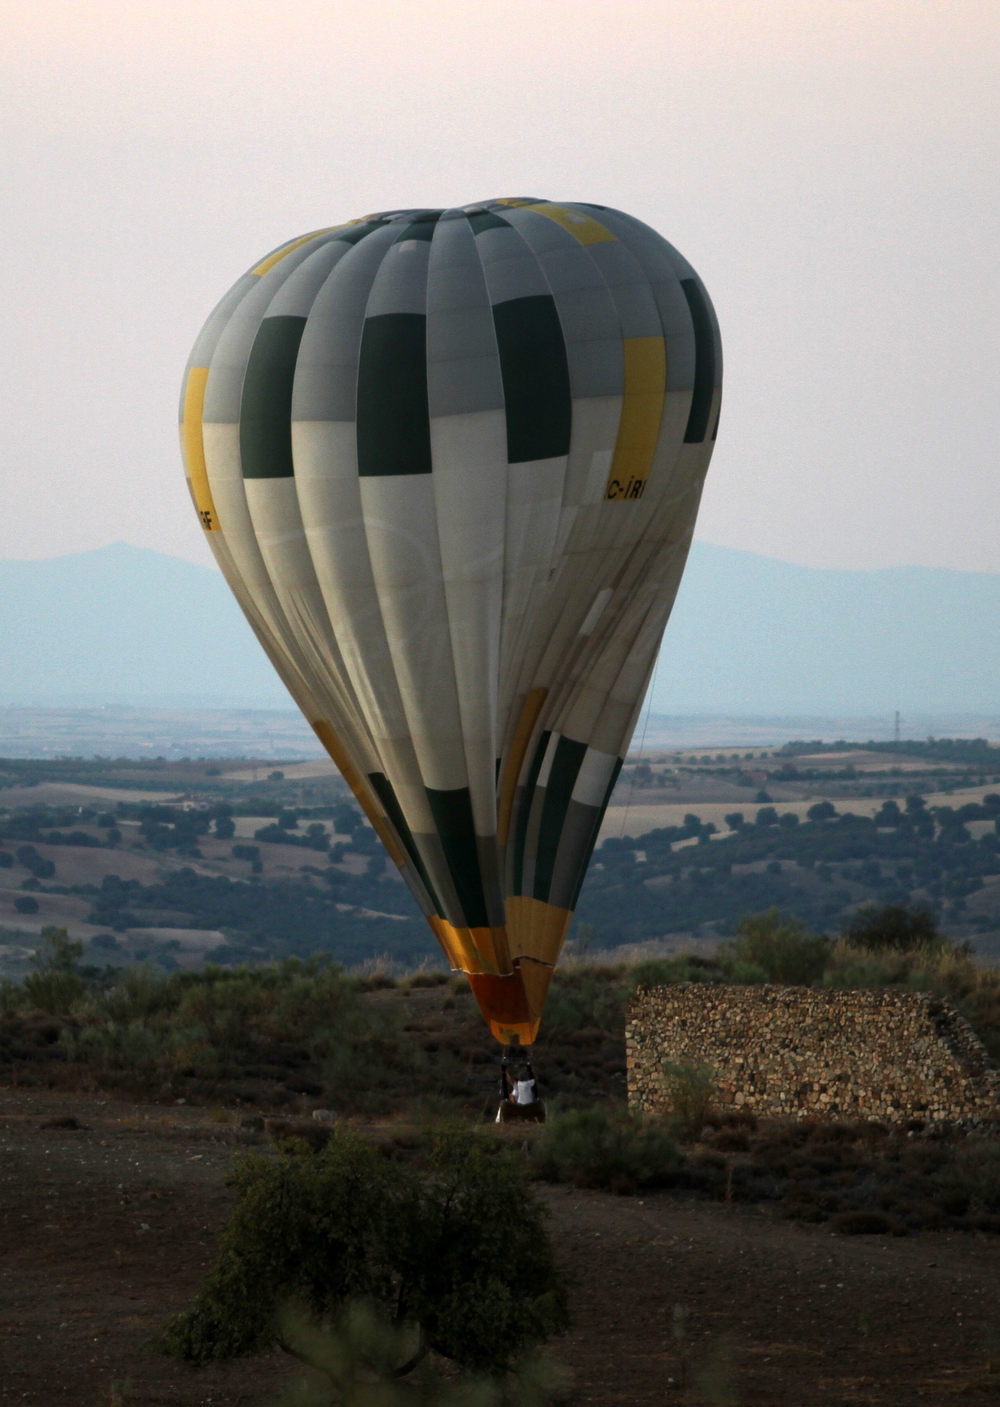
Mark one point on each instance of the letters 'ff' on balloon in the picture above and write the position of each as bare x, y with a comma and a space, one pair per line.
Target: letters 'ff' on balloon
449, 462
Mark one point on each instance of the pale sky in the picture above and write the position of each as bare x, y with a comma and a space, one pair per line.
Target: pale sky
830, 167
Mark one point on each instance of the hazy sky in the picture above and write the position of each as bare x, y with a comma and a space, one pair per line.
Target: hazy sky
830, 167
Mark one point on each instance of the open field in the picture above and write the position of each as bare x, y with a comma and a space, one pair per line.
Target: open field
77, 794
305, 885
292, 771
107, 1229
639, 816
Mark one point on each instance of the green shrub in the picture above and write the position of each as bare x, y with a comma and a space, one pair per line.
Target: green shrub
666, 972
779, 947
215, 1020
690, 1094
583, 998
237, 1017
55, 992
607, 1147
972, 1175
11, 996
357, 1357
118, 1045
895, 927
457, 1249
139, 992
435, 978
55, 985
859, 969
363, 1056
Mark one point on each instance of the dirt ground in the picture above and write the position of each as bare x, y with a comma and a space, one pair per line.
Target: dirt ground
106, 1230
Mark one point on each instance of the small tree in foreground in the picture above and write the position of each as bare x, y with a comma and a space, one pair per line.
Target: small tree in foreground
453, 1255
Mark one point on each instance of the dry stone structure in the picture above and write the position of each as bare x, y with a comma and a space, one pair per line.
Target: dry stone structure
798, 1052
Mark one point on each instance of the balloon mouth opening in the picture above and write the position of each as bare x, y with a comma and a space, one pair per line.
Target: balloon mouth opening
504, 1001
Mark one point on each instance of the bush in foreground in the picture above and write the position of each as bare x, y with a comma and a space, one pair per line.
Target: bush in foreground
356, 1361
690, 1094
606, 1147
455, 1253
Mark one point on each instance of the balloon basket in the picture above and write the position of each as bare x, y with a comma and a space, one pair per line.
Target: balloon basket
511, 1113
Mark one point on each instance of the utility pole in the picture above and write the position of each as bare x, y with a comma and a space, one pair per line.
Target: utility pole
895, 731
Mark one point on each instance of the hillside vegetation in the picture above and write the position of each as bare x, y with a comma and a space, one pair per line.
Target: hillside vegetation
678, 879
265, 1047
261, 867
305, 1033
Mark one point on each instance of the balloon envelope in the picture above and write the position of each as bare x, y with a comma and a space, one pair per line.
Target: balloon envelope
449, 463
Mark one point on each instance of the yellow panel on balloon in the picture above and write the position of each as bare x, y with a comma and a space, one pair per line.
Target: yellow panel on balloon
536, 977
515, 758
194, 448
642, 411
279, 254
536, 929
473, 950
505, 1004
582, 227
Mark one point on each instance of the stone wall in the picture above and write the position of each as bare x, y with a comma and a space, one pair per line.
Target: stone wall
797, 1052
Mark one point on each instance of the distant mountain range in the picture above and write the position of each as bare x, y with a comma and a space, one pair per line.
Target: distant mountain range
126, 625
752, 635
749, 635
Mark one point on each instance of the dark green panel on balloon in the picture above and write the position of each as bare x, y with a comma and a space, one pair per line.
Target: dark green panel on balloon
482, 220
535, 378
266, 405
356, 233
452, 812
383, 789
524, 811
585, 858
420, 228
558, 789
704, 363
394, 428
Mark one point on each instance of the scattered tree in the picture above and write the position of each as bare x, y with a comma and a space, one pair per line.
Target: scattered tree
780, 947
55, 983
894, 926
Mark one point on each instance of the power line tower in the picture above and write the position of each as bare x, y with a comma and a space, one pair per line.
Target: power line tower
895, 731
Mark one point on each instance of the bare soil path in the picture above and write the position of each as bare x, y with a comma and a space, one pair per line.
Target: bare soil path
107, 1229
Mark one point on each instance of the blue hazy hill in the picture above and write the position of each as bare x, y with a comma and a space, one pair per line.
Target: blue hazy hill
749, 635
753, 635
127, 625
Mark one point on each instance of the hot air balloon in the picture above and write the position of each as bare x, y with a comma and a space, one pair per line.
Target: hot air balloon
449, 462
